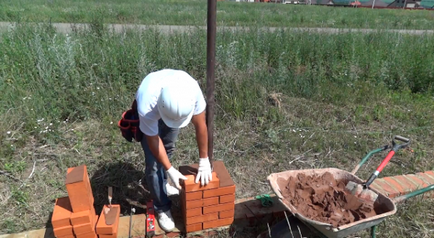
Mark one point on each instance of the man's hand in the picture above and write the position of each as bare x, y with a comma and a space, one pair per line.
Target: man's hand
175, 176
204, 172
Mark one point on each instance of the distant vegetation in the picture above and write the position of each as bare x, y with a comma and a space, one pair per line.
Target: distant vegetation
194, 12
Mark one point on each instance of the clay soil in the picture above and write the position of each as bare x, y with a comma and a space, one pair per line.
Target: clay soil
323, 199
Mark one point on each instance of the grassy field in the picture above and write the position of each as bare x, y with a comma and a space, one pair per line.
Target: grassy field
193, 12
284, 101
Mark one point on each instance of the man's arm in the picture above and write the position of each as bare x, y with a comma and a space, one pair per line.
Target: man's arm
157, 148
199, 123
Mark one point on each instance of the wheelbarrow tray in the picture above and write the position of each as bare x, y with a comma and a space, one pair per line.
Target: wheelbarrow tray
387, 205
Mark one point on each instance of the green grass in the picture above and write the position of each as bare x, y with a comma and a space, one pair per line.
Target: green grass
183, 12
285, 101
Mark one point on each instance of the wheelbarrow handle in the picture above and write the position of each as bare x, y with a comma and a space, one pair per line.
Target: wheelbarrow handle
412, 194
369, 155
396, 147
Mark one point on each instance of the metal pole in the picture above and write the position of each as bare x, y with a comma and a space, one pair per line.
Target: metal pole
210, 75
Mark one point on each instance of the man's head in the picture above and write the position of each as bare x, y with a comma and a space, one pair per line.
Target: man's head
176, 105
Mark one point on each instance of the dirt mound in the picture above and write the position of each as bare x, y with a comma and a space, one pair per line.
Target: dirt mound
323, 199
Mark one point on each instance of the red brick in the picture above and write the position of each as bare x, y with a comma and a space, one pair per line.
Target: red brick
430, 173
390, 191
219, 191
227, 199
218, 167
192, 227
202, 218
202, 203
102, 228
426, 178
193, 212
419, 182
218, 223
70, 236
227, 214
79, 189
377, 187
108, 236
88, 235
409, 185
189, 185
83, 217
218, 208
193, 195
86, 228
395, 185
63, 231
61, 213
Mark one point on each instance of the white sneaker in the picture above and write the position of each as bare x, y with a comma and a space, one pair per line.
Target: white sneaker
165, 220
170, 190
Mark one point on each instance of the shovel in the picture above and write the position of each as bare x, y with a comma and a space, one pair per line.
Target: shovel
362, 190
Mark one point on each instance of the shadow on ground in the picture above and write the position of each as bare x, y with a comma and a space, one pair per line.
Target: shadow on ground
128, 189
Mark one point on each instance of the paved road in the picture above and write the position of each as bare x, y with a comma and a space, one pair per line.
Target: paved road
67, 28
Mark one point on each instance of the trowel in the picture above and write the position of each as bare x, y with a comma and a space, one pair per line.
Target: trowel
362, 190
110, 212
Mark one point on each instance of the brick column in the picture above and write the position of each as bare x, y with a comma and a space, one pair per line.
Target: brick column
74, 216
210, 206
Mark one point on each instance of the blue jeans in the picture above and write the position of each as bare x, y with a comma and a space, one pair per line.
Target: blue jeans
155, 174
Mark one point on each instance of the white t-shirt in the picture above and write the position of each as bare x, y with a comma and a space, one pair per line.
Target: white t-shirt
150, 89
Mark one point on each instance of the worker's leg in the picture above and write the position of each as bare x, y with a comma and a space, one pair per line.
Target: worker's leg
154, 173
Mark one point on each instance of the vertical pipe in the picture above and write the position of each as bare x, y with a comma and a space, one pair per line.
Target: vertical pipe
210, 75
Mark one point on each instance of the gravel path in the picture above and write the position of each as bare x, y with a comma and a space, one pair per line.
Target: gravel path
67, 28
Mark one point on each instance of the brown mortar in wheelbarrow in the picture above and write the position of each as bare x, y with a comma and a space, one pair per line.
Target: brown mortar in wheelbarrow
325, 199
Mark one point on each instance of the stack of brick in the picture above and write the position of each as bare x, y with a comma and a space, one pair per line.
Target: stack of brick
209, 206
404, 184
74, 216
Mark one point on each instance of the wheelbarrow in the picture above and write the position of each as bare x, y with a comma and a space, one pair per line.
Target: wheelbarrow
385, 206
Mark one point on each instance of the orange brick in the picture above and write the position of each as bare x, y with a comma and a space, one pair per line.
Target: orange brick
202, 203
102, 228
63, 231
192, 227
426, 178
390, 191
202, 218
109, 236
227, 199
219, 191
87, 235
61, 213
395, 185
193, 195
377, 187
218, 223
430, 173
407, 184
189, 185
86, 227
78, 218
70, 236
79, 189
193, 212
227, 214
419, 182
218, 208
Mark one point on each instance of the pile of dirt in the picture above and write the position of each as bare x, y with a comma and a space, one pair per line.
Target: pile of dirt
323, 199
